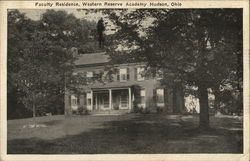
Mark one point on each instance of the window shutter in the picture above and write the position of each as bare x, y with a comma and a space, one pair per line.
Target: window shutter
118, 77
69, 100
135, 73
154, 96
93, 77
128, 76
165, 97
78, 99
146, 74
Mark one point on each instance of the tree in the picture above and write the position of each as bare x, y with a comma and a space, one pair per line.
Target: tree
199, 47
100, 29
40, 55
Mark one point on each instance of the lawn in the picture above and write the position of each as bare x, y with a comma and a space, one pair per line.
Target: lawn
124, 134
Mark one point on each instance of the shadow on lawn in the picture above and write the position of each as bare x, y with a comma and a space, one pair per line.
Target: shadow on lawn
153, 135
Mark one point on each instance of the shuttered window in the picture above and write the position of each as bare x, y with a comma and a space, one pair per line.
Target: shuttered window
128, 77
140, 74
160, 97
135, 73
74, 100
123, 74
143, 100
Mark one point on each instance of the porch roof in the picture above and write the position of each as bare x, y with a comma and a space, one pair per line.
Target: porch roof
114, 85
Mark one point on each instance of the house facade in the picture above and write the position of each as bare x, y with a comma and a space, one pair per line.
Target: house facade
126, 88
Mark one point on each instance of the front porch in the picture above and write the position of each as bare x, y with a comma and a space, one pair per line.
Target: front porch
109, 99
112, 99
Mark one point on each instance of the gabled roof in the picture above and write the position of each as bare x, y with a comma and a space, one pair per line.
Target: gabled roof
93, 58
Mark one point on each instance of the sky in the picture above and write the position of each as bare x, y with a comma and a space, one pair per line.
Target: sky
35, 14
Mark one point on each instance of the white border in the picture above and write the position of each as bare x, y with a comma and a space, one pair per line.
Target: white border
4, 5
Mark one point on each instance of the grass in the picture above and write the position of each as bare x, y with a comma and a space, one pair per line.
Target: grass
124, 134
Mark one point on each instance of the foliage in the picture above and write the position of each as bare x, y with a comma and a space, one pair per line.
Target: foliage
198, 47
41, 55
136, 91
82, 110
159, 109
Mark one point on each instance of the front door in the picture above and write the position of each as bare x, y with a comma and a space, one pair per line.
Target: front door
103, 101
124, 100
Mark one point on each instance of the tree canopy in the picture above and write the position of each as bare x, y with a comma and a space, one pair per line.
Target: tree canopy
40, 54
199, 47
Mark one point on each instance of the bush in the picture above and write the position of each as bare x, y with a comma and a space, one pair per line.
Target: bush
82, 110
141, 110
146, 110
159, 109
137, 109
116, 107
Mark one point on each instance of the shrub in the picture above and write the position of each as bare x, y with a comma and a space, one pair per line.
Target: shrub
159, 109
137, 109
146, 110
82, 110
116, 107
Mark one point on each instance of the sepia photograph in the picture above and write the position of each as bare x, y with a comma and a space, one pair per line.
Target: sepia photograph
125, 80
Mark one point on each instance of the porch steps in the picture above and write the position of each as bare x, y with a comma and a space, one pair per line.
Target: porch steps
109, 112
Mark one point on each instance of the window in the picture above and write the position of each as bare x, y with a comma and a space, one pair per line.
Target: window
89, 99
160, 97
123, 74
159, 75
140, 74
106, 101
89, 74
124, 100
74, 101
142, 95
105, 76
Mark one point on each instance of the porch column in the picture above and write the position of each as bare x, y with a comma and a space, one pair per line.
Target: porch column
89, 99
129, 99
67, 103
92, 100
96, 102
110, 98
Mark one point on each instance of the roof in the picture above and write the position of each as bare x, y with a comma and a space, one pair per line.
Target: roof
93, 58
111, 85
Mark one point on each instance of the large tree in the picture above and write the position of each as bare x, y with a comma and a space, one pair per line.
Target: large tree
199, 47
41, 53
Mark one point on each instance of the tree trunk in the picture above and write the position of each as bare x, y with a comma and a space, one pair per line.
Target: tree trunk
204, 109
175, 110
34, 112
182, 102
216, 101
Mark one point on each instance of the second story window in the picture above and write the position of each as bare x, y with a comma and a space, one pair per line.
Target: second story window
89, 74
159, 75
123, 74
139, 74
